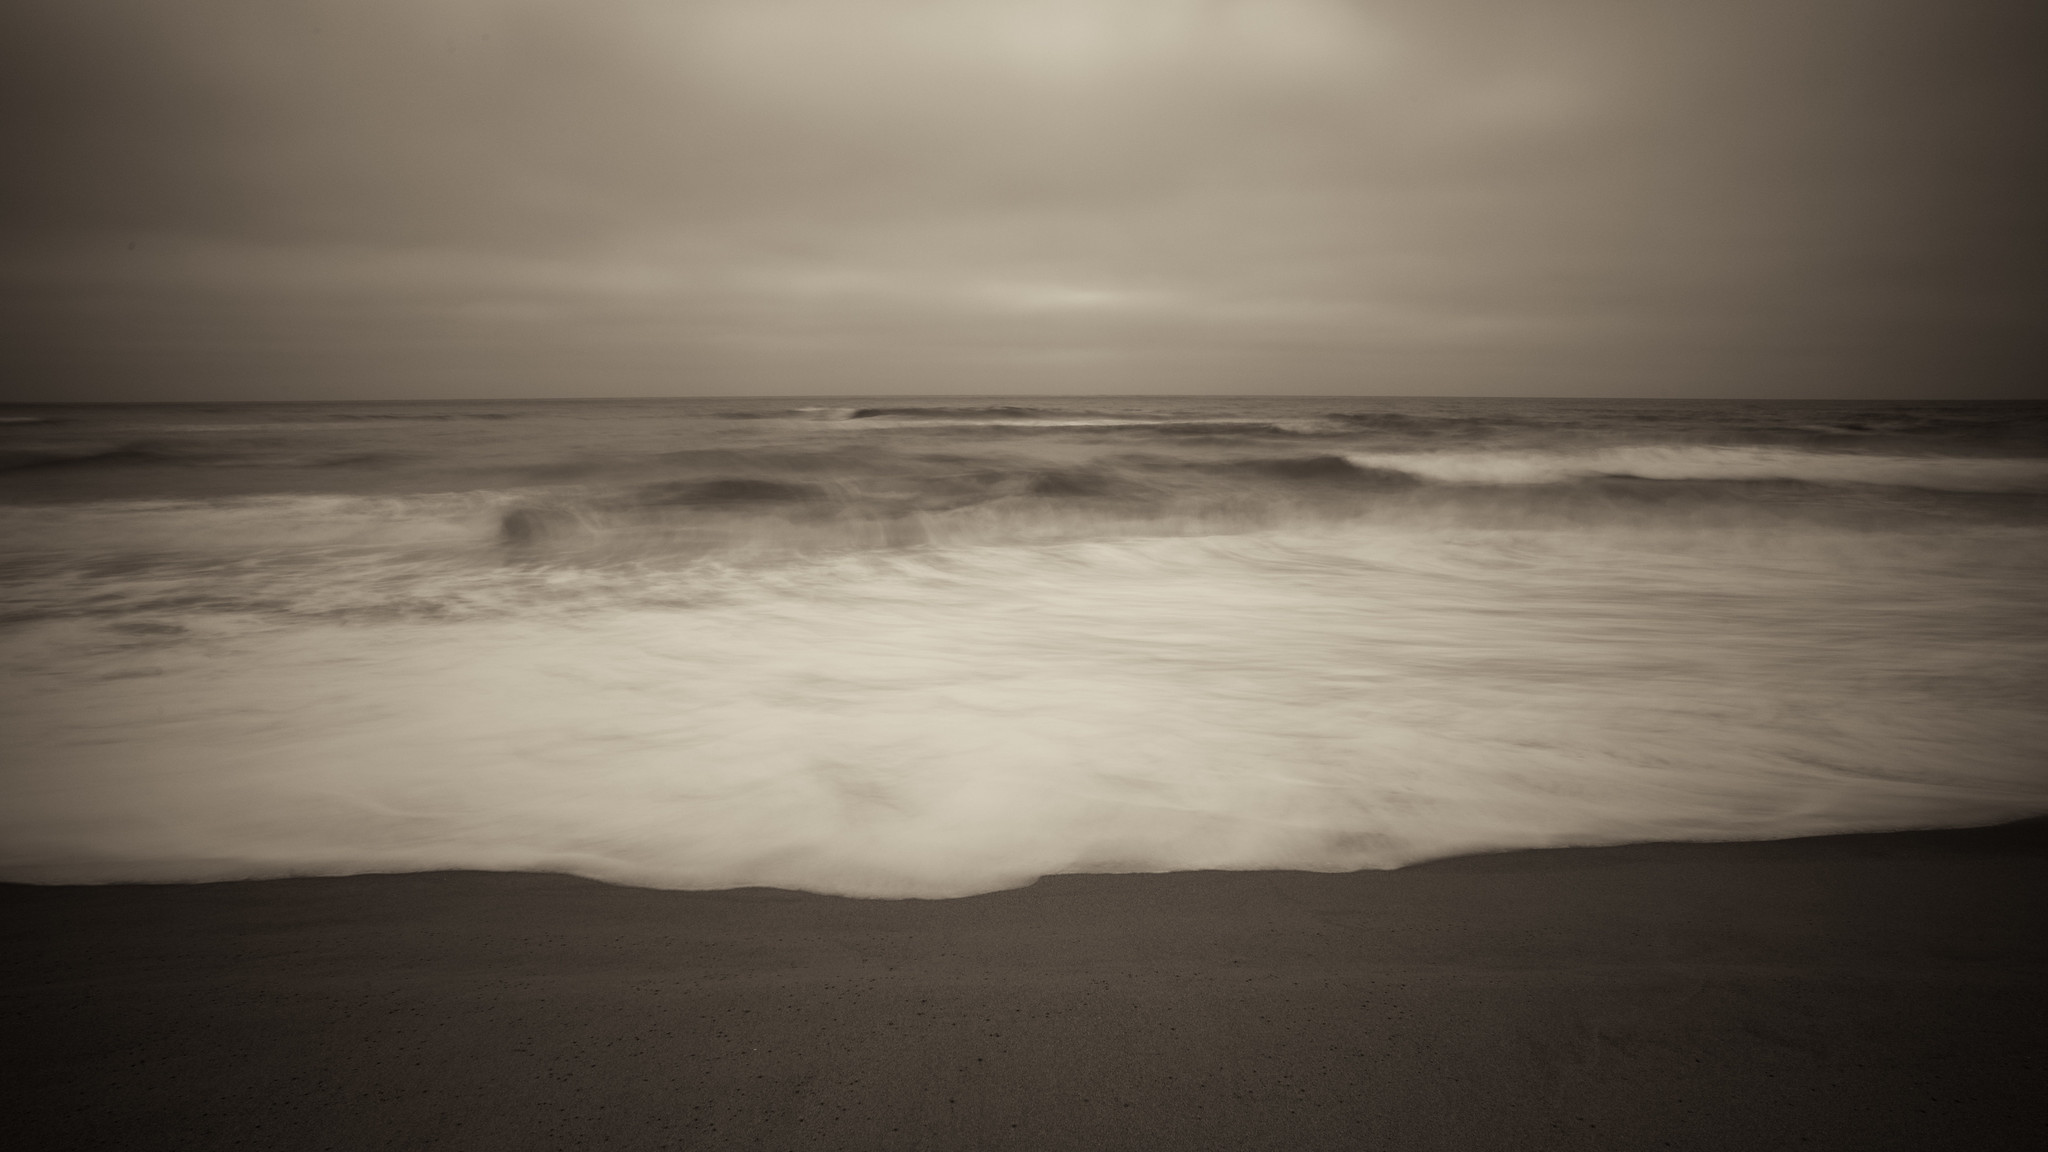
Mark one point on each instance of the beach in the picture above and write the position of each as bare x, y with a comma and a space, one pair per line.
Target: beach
1879, 991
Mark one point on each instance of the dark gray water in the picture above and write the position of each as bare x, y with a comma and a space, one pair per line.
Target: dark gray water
935, 647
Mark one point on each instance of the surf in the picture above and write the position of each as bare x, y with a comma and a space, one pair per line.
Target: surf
933, 655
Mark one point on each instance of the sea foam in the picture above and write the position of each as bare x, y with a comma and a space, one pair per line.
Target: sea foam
936, 724
1694, 462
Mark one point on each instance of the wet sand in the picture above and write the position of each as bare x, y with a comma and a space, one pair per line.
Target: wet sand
1850, 992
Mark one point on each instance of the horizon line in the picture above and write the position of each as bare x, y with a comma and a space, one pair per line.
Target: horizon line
1062, 396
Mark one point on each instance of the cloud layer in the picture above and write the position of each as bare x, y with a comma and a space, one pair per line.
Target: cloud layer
236, 199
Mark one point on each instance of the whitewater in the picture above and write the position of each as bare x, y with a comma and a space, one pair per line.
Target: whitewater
891, 647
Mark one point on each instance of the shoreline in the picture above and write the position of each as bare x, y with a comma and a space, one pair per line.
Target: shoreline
1875, 990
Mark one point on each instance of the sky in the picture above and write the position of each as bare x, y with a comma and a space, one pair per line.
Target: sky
372, 199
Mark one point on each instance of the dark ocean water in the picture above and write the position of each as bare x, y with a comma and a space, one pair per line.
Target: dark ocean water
936, 647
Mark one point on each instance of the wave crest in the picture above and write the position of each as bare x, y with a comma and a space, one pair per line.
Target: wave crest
1663, 462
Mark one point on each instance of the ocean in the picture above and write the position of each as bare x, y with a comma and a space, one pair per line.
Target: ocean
935, 647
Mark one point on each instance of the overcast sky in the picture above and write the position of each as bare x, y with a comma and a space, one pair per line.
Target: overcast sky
304, 199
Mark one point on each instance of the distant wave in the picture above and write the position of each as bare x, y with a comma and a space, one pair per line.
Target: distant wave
1967, 424
2022, 430
762, 510
1320, 470
1007, 411
1656, 462
61, 458
1402, 423
910, 412
1027, 420
422, 416
847, 511
1226, 428
162, 454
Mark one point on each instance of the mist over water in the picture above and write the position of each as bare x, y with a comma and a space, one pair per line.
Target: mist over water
929, 648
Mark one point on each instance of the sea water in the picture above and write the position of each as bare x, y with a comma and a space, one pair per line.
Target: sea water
930, 647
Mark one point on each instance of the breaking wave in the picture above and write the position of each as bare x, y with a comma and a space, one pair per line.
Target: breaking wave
1657, 462
939, 724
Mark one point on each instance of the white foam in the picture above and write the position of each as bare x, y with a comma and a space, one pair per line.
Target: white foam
1019, 422
941, 724
1668, 462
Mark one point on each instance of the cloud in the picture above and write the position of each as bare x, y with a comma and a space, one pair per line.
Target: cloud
740, 195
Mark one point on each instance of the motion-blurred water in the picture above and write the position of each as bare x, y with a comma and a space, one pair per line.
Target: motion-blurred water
932, 647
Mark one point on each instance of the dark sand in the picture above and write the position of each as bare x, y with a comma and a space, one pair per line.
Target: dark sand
1853, 992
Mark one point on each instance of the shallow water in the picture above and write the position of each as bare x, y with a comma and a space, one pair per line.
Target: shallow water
938, 647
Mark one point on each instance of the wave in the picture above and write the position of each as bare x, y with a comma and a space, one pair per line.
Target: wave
876, 510
854, 656
1405, 424
1020, 418
1315, 470
1658, 462
1122, 493
519, 552
2020, 429
1001, 411
166, 454
938, 724
1222, 429
908, 412
732, 505
2017, 425
90, 457
421, 416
